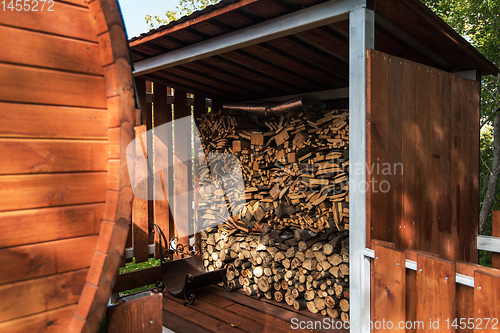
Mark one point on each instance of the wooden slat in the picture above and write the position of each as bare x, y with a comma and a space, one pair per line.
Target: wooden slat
136, 315
262, 311
65, 20
51, 51
32, 261
409, 133
41, 156
48, 224
51, 87
217, 311
163, 118
200, 319
436, 292
176, 324
469, 228
394, 151
486, 301
140, 204
34, 191
182, 168
389, 284
379, 218
199, 109
42, 294
495, 232
55, 321
22, 120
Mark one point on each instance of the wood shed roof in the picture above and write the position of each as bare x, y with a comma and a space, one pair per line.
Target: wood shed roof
311, 60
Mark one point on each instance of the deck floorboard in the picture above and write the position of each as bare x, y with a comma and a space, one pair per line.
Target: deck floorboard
216, 310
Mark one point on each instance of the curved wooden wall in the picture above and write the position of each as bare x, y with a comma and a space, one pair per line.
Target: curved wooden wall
66, 116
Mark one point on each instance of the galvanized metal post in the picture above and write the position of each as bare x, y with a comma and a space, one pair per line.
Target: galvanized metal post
361, 38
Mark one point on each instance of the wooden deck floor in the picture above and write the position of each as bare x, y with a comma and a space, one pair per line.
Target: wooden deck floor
216, 310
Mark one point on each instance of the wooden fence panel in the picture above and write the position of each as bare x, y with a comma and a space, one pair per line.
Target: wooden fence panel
436, 293
486, 302
389, 284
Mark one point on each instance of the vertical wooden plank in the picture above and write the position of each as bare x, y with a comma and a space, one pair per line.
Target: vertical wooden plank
437, 140
436, 293
421, 167
486, 301
199, 109
456, 159
409, 130
149, 145
474, 106
495, 232
464, 298
162, 119
142, 314
182, 158
389, 168
389, 289
379, 216
411, 290
140, 236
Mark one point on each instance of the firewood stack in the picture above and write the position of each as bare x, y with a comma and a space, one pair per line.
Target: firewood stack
284, 236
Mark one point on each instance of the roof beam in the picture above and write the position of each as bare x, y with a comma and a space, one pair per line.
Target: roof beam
309, 18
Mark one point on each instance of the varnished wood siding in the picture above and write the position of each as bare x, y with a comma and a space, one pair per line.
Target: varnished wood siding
65, 100
423, 124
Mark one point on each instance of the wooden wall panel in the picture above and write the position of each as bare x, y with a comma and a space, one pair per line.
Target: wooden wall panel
23, 120
48, 224
486, 301
52, 51
495, 232
51, 87
32, 261
54, 321
41, 190
436, 293
140, 205
42, 294
163, 157
409, 155
389, 284
378, 136
422, 124
65, 20
182, 168
37, 156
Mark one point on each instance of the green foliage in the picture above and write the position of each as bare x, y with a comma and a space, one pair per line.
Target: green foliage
184, 8
133, 266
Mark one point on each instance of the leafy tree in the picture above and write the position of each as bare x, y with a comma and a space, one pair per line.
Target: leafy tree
184, 8
478, 21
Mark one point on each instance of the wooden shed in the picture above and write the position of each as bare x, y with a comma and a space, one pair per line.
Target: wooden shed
67, 111
412, 88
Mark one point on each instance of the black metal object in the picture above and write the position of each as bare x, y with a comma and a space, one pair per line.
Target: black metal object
183, 276
303, 103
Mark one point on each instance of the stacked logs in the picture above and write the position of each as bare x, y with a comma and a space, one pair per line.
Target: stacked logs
280, 223
295, 174
304, 269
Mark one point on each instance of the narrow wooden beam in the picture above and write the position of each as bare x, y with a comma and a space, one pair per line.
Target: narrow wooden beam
495, 232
